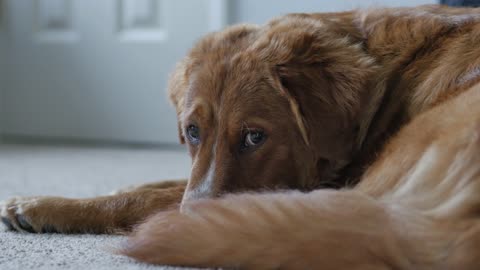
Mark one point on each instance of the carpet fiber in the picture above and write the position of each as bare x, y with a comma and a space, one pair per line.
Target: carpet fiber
27, 170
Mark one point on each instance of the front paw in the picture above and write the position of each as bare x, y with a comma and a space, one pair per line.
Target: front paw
29, 215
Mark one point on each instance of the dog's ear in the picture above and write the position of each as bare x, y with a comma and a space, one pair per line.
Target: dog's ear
310, 60
279, 83
325, 76
177, 88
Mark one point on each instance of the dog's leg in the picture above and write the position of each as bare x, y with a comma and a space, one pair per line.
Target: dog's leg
108, 214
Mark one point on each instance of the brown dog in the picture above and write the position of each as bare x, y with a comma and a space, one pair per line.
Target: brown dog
389, 98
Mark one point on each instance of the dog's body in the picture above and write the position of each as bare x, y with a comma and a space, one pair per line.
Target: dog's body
388, 98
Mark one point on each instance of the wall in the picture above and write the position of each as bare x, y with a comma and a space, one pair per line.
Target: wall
255, 11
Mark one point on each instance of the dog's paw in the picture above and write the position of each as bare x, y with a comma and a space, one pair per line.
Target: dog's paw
29, 215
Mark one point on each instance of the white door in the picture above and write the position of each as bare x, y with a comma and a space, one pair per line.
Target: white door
97, 69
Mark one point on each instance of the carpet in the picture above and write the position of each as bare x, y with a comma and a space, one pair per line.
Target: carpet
72, 171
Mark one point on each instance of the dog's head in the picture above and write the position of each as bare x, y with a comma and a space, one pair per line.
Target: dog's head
277, 106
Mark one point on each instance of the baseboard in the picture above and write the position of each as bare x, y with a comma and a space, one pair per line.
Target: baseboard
58, 141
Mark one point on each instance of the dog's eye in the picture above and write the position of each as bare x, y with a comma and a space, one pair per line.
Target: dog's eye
193, 134
253, 138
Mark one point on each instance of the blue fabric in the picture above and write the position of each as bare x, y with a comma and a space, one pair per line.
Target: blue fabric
461, 3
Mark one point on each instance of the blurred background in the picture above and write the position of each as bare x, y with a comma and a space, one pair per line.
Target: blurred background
96, 71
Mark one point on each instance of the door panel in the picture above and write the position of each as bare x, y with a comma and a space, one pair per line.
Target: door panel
93, 69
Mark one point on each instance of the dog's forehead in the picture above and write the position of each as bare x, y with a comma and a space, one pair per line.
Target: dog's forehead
234, 90
237, 76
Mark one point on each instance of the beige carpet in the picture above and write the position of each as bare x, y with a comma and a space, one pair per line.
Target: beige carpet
76, 172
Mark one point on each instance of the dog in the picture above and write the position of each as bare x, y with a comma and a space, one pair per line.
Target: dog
334, 140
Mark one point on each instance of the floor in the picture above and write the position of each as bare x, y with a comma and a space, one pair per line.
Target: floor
76, 172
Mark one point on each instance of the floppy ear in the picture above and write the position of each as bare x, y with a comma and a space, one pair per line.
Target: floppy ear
325, 77
177, 88
279, 83
313, 62
324, 114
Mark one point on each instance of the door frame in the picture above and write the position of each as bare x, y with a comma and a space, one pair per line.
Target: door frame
219, 14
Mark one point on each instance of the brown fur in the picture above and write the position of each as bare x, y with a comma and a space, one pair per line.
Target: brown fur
386, 98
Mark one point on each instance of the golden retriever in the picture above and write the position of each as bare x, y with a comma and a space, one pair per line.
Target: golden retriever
382, 104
